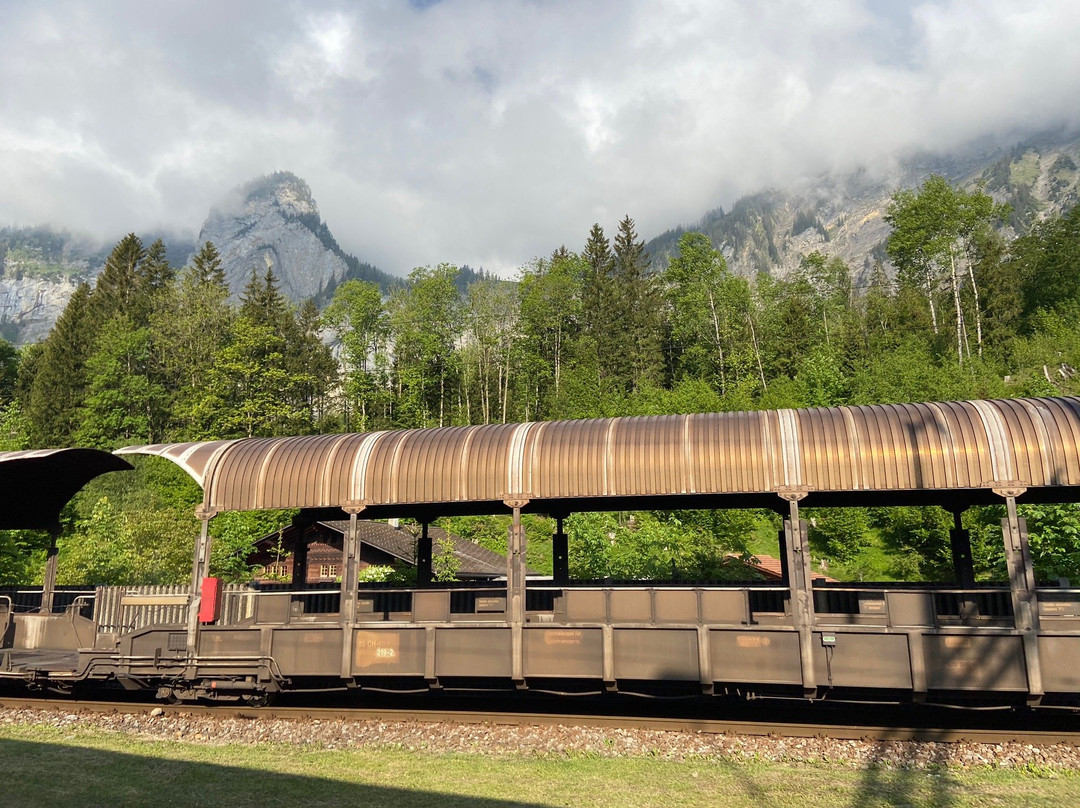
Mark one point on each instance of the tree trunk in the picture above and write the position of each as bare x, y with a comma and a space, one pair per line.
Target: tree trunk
978, 310
930, 299
719, 342
757, 351
959, 309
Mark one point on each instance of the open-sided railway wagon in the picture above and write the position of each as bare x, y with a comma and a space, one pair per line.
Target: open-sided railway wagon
1014, 642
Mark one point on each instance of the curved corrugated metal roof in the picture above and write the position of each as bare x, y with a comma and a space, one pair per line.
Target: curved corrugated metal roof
36, 484
1030, 443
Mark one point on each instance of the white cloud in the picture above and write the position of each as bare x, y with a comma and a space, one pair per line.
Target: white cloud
488, 131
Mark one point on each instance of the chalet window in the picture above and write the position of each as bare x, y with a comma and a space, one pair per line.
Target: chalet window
333, 569
324, 571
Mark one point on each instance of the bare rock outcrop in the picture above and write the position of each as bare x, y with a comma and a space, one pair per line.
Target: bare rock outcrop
273, 222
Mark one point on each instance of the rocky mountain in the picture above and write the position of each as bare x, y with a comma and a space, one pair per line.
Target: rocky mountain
39, 270
274, 223
41, 267
771, 231
271, 222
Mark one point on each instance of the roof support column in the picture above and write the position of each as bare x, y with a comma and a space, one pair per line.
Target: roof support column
350, 568
515, 589
423, 556
960, 542
300, 551
560, 554
350, 584
1022, 588
200, 569
49, 582
797, 569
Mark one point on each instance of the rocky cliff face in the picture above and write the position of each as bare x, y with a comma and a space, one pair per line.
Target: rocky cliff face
39, 270
844, 217
29, 306
274, 223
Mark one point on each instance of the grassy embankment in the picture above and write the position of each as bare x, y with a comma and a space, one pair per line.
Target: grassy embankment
47, 766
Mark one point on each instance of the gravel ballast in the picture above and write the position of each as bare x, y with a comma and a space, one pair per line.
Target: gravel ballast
509, 740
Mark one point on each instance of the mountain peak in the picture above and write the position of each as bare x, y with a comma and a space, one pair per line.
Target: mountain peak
289, 194
273, 222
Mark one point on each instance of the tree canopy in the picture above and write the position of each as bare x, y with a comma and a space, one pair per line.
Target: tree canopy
153, 354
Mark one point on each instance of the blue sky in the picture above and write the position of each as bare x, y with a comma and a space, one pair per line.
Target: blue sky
489, 132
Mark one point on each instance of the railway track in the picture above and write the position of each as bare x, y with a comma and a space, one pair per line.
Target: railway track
1050, 730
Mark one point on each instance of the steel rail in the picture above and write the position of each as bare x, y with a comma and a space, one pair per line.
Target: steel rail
713, 726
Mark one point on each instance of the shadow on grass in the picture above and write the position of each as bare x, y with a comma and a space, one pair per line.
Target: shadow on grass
898, 782
54, 774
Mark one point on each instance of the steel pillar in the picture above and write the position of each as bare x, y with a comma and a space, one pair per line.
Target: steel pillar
560, 554
48, 587
300, 548
960, 543
350, 584
1022, 588
515, 590
423, 557
797, 569
200, 569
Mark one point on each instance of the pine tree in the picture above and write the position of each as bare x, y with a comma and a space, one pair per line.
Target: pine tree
59, 385
262, 302
155, 270
120, 287
637, 308
193, 323
599, 324
206, 266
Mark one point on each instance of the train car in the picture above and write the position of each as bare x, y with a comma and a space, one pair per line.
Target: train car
1012, 643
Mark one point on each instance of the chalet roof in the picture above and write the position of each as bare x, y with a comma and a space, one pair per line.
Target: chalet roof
773, 568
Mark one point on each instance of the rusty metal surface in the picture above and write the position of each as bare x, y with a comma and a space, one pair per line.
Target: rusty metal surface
1021, 443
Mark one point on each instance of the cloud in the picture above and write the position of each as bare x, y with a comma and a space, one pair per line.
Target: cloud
489, 132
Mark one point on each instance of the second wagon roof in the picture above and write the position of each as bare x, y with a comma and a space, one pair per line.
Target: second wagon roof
935, 447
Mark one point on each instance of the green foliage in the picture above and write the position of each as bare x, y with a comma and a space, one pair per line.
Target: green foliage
919, 537
376, 574
1046, 262
234, 535
674, 545
110, 546
492, 531
22, 554
1054, 531
14, 428
444, 563
126, 401
358, 318
934, 243
425, 320
151, 356
59, 382
838, 533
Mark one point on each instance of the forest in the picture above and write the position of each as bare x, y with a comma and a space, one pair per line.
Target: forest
157, 353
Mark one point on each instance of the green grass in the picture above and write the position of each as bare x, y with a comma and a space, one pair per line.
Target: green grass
47, 766
873, 563
1025, 171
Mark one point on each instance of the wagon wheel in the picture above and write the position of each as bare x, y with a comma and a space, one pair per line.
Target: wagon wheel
258, 698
